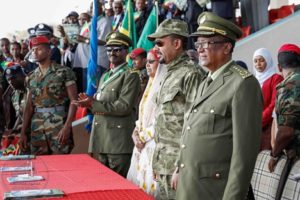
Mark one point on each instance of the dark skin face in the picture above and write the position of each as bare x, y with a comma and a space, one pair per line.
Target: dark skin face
41, 53
5, 46
118, 8
117, 54
15, 50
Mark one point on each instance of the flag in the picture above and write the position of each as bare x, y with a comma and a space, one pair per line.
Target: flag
149, 28
92, 68
128, 25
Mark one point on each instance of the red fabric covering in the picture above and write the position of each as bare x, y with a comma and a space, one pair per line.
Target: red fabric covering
79, 176
269, 95
289, 47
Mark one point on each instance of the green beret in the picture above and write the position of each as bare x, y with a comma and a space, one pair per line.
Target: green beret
169, 27
211, 24
118, 39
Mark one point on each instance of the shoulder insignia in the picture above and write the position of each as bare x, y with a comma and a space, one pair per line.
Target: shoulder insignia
241, 71
135, 71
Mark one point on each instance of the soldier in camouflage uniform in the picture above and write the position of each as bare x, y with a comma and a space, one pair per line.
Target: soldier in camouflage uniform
51, 88
1, 106
287, 106
178, 91
15, 76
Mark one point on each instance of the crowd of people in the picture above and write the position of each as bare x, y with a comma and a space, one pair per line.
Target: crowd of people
180, 123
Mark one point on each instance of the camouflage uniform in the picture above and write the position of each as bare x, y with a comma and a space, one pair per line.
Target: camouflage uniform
1, 108
175, 97
288, 106
50, 102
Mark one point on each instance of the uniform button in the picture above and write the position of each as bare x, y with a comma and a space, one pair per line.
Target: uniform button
182, 165
118, 126
183, 146
218, 175
188, 128
195, 110
212, 110
113, 89
96, 123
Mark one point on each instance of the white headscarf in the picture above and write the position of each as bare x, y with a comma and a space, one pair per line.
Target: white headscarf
270, 68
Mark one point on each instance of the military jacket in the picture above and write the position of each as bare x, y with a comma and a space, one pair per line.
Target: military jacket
50, 90
178, 91
221, 138
288, 105
18, 100
114, 109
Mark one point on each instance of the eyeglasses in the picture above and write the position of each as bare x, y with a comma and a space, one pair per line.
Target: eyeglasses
115, 49
205, 45
151, 61
159, 43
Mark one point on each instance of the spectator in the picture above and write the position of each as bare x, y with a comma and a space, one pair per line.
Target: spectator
50, 89
241, 64
224, 117
255, 14
265, 72
141, 15
73, 17
140, 171
15, 49
5, 48
287, 108
177, 92
223, 8
114, 107
119, 14
82, 53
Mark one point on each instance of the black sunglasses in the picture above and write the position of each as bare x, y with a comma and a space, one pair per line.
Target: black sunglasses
151, 61
115, 49
159, 43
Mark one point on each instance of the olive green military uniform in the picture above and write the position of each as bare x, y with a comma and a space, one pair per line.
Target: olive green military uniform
221, 133
50, 103
178, 91
114, 109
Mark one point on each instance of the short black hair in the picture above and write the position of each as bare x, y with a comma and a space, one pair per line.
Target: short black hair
182, 38
288, 59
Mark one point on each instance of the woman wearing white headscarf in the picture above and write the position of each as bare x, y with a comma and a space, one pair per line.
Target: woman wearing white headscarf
265, 72
140, 171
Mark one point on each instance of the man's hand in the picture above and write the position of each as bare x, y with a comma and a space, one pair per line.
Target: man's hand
64, 135
83, 101
136, 140
23, 142
61, 29
272, 164
174, 179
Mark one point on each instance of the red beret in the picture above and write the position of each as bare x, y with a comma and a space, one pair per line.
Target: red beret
136, 52
38, 40
290, 48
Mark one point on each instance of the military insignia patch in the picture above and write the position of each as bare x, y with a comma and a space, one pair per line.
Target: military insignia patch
202, 20
8, 71
113, 36
41, 26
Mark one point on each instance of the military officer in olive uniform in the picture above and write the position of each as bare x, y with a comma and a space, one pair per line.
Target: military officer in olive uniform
50, 89
114, 108
221, 133
178, 91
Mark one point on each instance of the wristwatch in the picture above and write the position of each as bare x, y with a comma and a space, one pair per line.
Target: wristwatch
87, 41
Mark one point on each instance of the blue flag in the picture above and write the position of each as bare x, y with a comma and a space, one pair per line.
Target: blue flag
92, 69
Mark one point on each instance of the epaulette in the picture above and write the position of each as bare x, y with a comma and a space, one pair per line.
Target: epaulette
241, 71
135, 71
